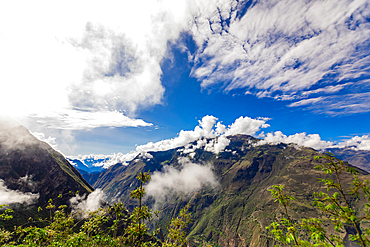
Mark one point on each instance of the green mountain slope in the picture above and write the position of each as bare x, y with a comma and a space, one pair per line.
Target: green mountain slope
236, 212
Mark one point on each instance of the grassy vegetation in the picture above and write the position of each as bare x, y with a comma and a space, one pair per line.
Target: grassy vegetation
336, 210
71, 171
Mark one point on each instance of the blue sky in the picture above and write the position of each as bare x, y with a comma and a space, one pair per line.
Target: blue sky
113, 76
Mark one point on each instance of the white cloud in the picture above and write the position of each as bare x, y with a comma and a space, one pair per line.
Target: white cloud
314, 141
217, 145
84, 205
8, 196
247, 126
190, 178
210, 134
79, 120
307, 101
337, 104
120, 158
282, 48
102, 63
206, 129
100, 60
357, 142
328, 89
108, 160
49, 140
302, 139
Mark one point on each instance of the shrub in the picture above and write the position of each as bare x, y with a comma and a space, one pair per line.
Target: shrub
110, 226
335, 207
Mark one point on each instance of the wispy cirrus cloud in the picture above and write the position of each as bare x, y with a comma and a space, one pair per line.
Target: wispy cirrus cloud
286, 49
337, 104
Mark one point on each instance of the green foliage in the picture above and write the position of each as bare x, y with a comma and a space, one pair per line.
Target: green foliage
177, 230
336, 209
111, 226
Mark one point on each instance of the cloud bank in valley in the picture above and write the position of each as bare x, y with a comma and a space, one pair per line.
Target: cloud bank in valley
186, 180
8, 196
84, 205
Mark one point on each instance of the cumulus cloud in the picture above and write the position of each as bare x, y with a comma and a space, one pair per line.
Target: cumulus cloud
247, 126
315, 141
302, 139
188, 179
285, 49
8, 196
357, 143
208, 128
209, 133
217, 145
87, 70
84, 205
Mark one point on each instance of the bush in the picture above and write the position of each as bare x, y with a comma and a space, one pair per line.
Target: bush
110, 226
335, 207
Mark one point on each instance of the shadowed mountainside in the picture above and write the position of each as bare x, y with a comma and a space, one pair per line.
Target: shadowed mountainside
30, 166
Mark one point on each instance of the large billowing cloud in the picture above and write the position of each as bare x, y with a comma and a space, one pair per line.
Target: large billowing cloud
286, 49
207, 128
84, 65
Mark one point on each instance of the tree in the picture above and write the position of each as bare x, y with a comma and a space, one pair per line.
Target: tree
101, 228
336, 208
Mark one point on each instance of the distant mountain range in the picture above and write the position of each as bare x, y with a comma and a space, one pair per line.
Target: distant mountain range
358, 158
232, 208
88, 164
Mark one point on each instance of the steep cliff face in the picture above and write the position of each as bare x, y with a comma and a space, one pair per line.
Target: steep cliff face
237, 210
30, 166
